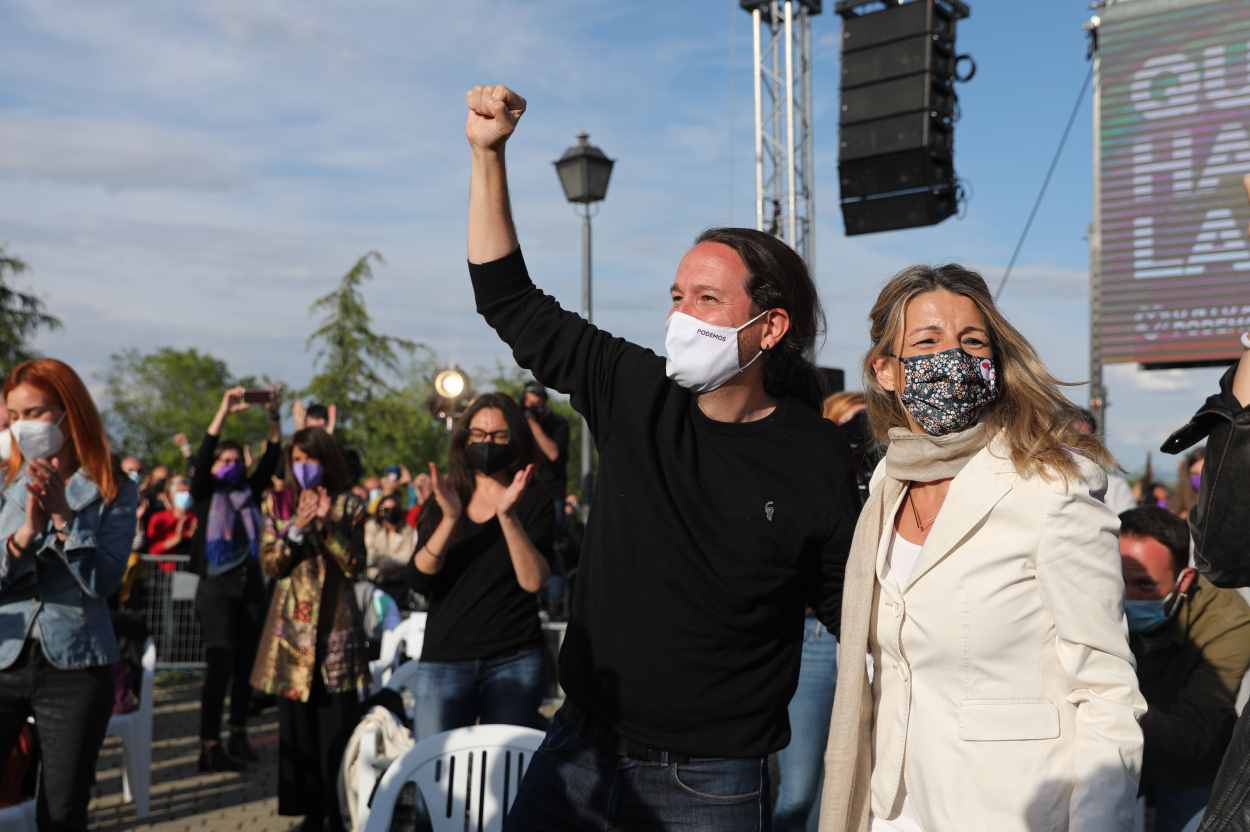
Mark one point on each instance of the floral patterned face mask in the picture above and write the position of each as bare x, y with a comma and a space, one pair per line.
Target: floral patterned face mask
945, 392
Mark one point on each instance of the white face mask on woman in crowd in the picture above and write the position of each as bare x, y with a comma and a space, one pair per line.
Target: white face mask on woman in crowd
38, 439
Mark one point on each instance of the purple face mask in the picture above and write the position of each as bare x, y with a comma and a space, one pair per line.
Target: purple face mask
229, 474
1196, 481
307, 474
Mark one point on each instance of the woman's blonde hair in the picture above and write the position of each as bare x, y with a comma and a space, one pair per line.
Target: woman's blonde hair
837, 406
1036, 419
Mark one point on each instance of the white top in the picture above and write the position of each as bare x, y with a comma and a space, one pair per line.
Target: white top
901, 560
900, 564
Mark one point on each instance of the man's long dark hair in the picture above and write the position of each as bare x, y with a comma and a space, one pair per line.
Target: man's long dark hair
779, 279
458, 471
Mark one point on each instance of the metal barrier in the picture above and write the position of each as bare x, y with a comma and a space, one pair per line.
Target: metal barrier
168, 588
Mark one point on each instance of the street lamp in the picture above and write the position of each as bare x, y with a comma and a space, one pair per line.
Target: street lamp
584, 173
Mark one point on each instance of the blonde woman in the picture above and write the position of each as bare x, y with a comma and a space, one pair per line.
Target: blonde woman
984, 584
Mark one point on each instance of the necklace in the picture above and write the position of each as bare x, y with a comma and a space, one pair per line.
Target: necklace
915, 512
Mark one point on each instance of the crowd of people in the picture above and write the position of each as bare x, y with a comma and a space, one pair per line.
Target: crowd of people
933, 605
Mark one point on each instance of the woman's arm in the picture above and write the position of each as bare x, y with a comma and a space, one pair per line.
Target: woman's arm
98, 568
262, 476
341, 537
532, 569
432, 556
1078, 569
281, 553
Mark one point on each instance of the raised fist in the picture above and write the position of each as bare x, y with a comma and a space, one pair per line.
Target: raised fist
494, 111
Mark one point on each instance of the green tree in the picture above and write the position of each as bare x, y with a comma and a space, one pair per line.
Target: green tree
21, 314
396, 427
153, 396
356, 364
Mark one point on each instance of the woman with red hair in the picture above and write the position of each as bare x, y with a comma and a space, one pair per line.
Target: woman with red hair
67, 519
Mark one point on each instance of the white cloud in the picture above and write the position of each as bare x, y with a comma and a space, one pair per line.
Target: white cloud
194, 175
1151, 381
119, 154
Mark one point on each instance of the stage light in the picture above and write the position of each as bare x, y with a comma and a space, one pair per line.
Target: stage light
450, 384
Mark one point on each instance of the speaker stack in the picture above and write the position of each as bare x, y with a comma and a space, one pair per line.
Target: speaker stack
898, 110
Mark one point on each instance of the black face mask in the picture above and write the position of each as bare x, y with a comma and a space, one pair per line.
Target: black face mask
488, 457
394, 515
537, 410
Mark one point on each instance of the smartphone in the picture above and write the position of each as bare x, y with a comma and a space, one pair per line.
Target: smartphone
258, 396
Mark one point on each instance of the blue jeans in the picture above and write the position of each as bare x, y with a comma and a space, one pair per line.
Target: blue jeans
505, 690
1178, 810
573, 784
802, 762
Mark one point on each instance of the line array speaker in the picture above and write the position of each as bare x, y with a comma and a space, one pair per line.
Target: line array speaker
897, 115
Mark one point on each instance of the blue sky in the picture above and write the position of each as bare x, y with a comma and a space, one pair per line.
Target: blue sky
195, 174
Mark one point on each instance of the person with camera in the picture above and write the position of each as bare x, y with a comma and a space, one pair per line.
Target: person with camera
480, 566
225, 553
551, 437
1220, 525
312, 654
67, 518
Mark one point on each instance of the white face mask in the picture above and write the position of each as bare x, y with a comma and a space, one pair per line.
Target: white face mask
703, 356
38, 439
6, 445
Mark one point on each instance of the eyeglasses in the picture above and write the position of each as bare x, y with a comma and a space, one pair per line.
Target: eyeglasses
499, 437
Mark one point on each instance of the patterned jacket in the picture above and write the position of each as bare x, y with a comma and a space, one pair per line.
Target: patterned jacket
315, 570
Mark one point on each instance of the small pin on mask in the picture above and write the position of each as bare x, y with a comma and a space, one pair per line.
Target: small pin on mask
769, 508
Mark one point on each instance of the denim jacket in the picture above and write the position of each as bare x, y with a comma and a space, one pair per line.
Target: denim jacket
65, 585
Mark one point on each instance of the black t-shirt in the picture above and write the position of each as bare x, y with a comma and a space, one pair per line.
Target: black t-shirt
553, 475
477, 608
707, 541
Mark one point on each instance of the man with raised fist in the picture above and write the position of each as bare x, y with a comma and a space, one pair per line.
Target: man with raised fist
726, 506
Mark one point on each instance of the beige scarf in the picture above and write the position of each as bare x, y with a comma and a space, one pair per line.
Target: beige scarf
911, 457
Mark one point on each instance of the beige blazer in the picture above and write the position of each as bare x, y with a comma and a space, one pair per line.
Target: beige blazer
1005, 696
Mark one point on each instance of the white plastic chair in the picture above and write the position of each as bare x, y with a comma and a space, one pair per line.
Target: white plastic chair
135, 731
468, 777
398, 646
372, 766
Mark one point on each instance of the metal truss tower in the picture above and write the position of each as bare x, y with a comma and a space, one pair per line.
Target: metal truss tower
784, 153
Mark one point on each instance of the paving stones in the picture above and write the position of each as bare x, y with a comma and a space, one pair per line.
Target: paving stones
183, 798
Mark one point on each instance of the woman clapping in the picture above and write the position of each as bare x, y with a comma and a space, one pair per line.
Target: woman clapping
480, 566
67, 518
312, 654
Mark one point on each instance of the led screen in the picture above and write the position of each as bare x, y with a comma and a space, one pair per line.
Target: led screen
1175, 145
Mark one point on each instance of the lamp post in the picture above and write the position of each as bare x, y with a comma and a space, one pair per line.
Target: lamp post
584, 173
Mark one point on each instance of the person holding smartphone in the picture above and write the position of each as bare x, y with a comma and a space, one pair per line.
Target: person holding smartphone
67, 517
225, 554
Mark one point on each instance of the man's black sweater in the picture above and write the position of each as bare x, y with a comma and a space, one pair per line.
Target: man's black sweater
706, 540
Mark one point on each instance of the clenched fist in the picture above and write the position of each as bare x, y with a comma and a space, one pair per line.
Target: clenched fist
494, 111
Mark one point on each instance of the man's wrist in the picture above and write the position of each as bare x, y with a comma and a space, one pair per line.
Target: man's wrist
487, 154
